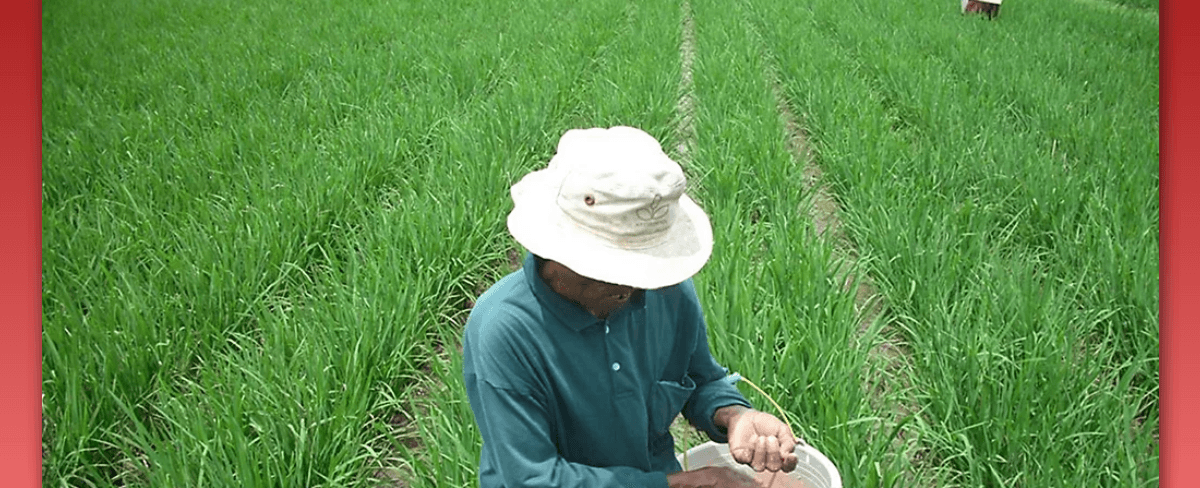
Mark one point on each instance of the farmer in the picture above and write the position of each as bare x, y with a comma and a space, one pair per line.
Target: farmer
576, 364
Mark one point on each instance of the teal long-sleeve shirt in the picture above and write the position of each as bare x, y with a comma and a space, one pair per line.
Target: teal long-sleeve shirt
563, 399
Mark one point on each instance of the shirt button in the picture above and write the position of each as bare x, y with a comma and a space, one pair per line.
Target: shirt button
616, 366
606, 329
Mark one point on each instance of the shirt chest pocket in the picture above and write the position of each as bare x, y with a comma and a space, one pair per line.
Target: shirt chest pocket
666, 400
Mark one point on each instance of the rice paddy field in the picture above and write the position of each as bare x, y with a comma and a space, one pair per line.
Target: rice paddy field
265, 223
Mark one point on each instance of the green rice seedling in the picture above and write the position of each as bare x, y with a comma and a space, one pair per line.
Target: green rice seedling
945, 142
223, 222
449, 447
776, 311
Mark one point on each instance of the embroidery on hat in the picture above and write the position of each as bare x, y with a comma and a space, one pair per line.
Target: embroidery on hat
655, 210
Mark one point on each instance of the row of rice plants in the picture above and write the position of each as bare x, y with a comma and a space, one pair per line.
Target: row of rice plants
633, 80
174, 205
777, 312
1095, 131
1023, 278
1144, 5
1091, 110
225, 301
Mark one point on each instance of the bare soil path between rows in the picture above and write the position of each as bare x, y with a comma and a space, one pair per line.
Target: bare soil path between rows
888, 371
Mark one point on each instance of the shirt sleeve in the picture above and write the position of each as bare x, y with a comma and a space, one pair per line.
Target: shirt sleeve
713, 391
515, 424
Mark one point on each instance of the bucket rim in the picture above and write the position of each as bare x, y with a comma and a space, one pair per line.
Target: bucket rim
835, 476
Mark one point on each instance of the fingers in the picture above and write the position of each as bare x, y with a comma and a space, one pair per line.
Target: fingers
765, 453
787, 441
774, 455
760, 454
789, 462
787, 450
743, 454
742, 438
742, 450
764, 443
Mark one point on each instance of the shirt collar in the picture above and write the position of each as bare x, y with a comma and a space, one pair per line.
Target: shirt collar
568, 313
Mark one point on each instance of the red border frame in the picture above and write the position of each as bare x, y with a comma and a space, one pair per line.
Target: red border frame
20, 249
21, 246
1179, 266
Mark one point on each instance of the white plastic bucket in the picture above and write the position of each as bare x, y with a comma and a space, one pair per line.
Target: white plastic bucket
813, 469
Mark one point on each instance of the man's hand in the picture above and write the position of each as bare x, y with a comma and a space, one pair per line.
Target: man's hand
710, 477
760, 440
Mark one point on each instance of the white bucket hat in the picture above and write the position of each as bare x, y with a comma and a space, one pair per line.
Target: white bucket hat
611, 206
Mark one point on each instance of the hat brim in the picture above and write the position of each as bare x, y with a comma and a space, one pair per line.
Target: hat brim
538, 223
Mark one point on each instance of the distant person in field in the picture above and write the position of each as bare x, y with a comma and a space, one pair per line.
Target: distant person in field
990, 8
576, 364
